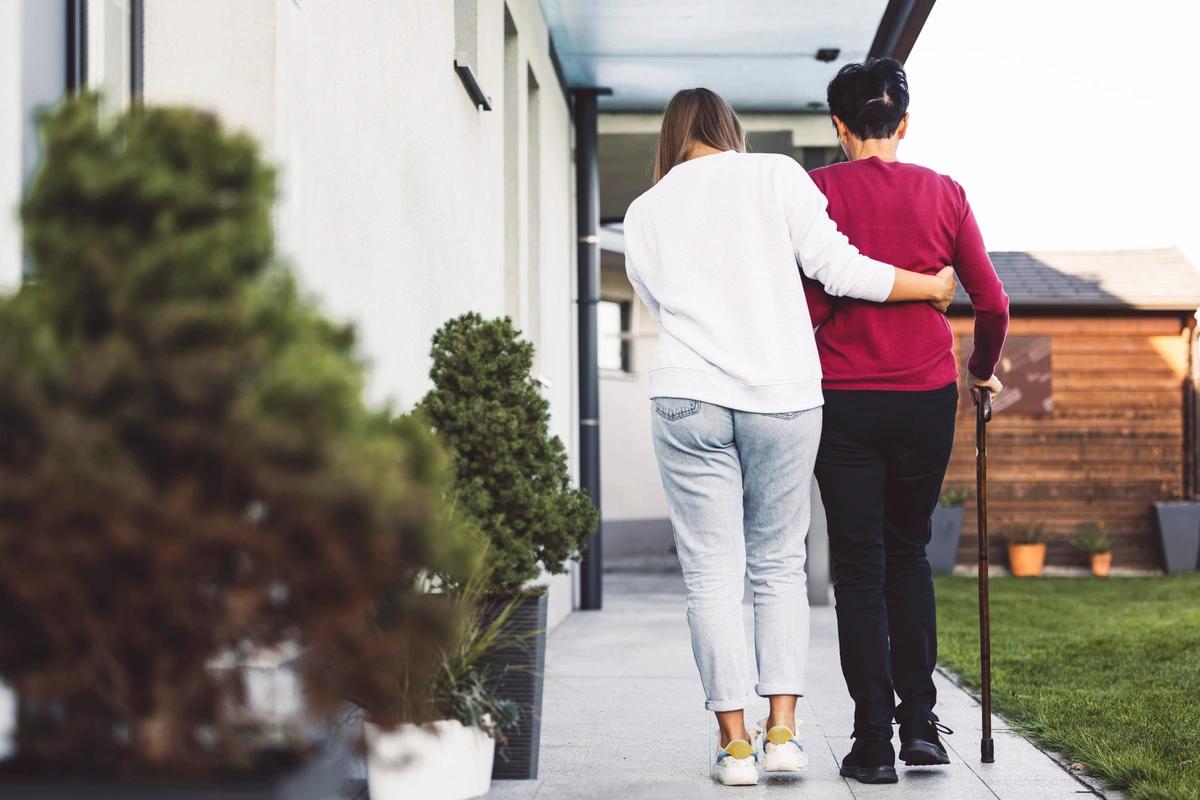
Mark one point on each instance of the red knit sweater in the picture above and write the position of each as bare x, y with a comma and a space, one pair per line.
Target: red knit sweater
919, 220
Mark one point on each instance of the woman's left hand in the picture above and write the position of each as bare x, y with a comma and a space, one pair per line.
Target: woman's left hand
949, 284
992, 384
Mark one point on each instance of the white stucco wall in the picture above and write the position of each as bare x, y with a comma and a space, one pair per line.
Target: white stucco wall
219, 55
32, 75
392, 183
631, 488
11, 125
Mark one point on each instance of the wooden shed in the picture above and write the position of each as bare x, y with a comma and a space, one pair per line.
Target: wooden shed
1099, 416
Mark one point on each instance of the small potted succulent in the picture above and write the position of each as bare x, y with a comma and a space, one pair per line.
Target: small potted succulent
946, 528
1026, 549
1091, 538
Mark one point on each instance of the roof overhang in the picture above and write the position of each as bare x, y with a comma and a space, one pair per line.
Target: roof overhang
761, 55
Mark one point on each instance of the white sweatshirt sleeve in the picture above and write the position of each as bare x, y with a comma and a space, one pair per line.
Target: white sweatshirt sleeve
822, 251
631, 270
641, 289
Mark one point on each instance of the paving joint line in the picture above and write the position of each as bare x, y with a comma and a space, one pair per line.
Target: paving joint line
1093, 786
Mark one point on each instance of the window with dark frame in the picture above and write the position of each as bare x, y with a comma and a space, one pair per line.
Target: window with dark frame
104, 49
613, 345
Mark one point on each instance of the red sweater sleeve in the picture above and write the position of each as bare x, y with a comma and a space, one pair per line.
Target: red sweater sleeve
978, 278
820, 302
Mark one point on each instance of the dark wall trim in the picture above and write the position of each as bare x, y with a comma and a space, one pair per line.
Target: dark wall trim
1191, 418
137, 60
587, 228
76, 45
899, 28
478, 96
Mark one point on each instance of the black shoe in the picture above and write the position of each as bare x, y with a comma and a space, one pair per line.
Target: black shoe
870, 761
919, 742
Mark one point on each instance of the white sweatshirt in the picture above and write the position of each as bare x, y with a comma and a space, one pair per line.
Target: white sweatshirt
712, 249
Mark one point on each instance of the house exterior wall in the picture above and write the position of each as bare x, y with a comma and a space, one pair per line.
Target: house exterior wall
32, 75
11, 125
1112, 445
632, 501
393, 207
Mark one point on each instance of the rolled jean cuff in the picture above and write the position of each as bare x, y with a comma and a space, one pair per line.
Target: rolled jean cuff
768, 689
725, 705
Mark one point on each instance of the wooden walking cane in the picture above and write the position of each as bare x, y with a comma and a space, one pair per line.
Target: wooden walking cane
983, 414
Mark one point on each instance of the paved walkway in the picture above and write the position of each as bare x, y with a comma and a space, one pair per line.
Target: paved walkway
624, 718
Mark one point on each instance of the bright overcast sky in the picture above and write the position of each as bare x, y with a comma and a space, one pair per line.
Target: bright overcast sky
1071, 123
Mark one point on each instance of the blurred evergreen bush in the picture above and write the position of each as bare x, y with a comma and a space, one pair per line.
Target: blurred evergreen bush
187, 467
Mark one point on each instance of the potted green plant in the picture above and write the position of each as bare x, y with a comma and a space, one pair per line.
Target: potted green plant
1178, 523
1026, 549
445, 749
189, 479
1092, 539
946, 528
511, 477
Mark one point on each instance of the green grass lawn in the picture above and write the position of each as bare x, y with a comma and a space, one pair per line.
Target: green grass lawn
1106, 672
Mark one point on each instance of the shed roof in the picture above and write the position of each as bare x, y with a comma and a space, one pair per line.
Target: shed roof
1148, 280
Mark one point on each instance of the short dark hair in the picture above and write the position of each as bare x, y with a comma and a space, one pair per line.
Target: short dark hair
870, 98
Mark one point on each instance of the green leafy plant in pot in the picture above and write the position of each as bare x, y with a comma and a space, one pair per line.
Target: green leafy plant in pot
189, 476
1026, 549
511, 477
946, 528
1093, 540
445, 748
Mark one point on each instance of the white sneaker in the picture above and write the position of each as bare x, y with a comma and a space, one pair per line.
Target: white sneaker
779, 749
736, 764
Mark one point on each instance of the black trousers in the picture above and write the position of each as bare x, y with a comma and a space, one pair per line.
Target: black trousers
880, 467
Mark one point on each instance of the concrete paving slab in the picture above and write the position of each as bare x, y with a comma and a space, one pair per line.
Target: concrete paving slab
624, 718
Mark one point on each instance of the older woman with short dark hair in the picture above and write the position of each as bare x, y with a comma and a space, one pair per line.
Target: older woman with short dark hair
890, 385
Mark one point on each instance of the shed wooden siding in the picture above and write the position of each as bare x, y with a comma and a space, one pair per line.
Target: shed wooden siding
1112, 445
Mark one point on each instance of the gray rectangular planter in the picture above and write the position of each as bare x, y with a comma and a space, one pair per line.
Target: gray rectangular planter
1179, 532
942, 550
516, 672
324, 777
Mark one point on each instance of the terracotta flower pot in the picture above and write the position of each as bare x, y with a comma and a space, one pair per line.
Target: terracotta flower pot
1026, 560
1101, 564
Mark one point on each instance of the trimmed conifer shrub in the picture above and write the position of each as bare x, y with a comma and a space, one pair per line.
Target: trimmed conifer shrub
511, 475
187, 467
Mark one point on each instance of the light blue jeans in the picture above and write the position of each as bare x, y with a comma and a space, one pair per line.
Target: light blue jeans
737, 488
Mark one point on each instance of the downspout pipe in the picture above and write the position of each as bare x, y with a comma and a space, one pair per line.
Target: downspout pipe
899, 28
587, 206
1191, 417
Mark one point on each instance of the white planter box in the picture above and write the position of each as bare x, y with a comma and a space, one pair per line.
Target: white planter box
440, 761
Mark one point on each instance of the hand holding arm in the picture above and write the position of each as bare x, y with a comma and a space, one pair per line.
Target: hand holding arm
827, 256
937, 290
